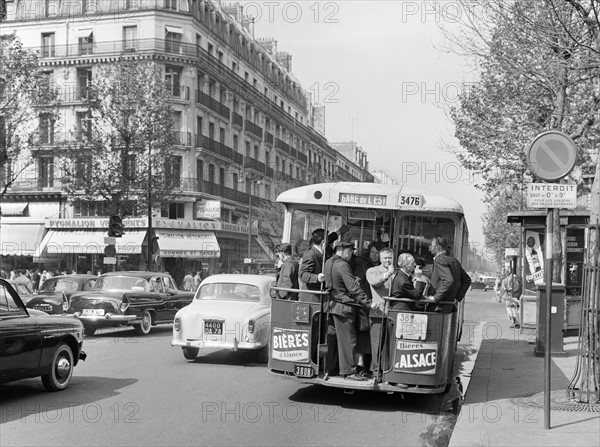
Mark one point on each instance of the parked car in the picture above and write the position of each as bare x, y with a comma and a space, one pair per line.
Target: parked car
228, 312
138, 299
55, 293
484, 283
33, 343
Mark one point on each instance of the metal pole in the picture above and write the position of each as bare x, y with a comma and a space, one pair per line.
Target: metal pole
250, 226
547, 336
149, 237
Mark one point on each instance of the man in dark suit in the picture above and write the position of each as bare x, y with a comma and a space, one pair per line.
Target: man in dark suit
403, 286
287, 277
311, 267
346, 297
448, 279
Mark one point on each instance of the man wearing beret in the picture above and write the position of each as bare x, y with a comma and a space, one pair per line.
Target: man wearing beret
346, 297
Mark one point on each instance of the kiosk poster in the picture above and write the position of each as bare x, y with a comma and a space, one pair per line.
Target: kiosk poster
534, 260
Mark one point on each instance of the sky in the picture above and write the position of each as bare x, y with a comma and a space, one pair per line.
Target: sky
381, 70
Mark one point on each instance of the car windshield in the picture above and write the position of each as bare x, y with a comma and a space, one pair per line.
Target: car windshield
60, 285
121, 283
228, 291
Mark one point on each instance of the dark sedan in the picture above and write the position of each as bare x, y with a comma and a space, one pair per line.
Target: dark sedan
55, 293
138, 299
34, 344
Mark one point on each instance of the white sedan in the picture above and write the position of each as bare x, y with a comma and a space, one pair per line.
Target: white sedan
228, 312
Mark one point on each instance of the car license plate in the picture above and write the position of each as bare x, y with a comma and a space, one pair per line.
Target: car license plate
411, 326
304, 371
213, 327
93, 312
43, 307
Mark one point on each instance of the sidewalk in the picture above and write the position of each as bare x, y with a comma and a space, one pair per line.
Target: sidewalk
504, 399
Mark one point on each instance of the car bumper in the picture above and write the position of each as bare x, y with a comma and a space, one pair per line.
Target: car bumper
106, 318
234, 345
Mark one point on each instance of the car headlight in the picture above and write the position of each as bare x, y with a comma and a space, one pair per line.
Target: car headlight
251, 326
124, 305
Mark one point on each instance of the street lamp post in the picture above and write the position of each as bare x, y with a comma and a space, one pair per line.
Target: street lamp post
149, 236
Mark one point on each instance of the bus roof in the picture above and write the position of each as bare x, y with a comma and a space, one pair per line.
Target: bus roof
369, 195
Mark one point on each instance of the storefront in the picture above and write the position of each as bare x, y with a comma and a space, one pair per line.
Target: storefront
531, 258
19, 239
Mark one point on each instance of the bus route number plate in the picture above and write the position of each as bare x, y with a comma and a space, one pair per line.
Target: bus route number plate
304, 371
412, 200
410, 326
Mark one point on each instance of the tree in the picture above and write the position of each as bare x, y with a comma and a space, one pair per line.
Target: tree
125, 143
533, 78
27, 111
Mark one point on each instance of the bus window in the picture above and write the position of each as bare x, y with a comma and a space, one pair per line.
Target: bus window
416, 232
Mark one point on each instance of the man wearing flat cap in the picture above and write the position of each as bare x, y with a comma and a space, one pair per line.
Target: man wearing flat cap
346, 297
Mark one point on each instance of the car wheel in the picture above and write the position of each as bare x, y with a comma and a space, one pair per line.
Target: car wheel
88, 331
62, 369
144, 327
190, 353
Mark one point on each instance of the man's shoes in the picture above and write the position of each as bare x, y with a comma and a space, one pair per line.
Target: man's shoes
355, 376
517, 326
366, 374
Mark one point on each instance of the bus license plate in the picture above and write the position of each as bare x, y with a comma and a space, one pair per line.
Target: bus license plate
411, 326
303, 371
213, 327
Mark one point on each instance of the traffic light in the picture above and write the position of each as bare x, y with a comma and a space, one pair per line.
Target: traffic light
115, 226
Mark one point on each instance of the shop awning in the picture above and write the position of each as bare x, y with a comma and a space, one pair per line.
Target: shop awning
89, 242
187, 244
20, 239
13, 209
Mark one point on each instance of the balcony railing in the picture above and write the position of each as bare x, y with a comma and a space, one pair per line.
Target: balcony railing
212, 104
219, 148
182, 138
280, 144
251, 163
238, 120
180, 92
253, 128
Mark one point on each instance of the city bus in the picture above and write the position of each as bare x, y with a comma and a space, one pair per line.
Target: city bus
422, 344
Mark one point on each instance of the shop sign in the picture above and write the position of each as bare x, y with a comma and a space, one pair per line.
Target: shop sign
237, 228
137, 222
209, 209
415, 357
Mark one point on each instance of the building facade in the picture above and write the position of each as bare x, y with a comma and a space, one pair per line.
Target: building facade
244, 125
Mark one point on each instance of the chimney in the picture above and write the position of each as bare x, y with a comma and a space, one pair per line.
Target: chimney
269, 44
285, 59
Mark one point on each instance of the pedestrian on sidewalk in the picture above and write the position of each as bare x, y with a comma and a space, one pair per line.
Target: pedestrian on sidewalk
510, 291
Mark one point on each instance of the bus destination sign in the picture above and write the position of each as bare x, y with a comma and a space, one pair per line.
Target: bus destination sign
362, 199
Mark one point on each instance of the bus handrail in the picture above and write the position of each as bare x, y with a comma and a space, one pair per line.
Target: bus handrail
454, 303
312, 292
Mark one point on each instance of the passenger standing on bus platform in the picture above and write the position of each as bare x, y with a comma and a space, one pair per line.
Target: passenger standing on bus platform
359, 266
380, 279
449, 280
287, 276
403, 285
312, 263
347, 296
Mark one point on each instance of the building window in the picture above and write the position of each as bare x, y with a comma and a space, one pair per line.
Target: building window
222, 176
236, 142
198, 45
247, 148
220, 56
171, 4
46, 128
211, 173
236, 180
174, 211
83, 167
173, 171
46, 173
84, 82
222, 135
130, 38
173, 39
200, 173
48, 49
173, 80
211, 49
211, 130
86, 43
84, 126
